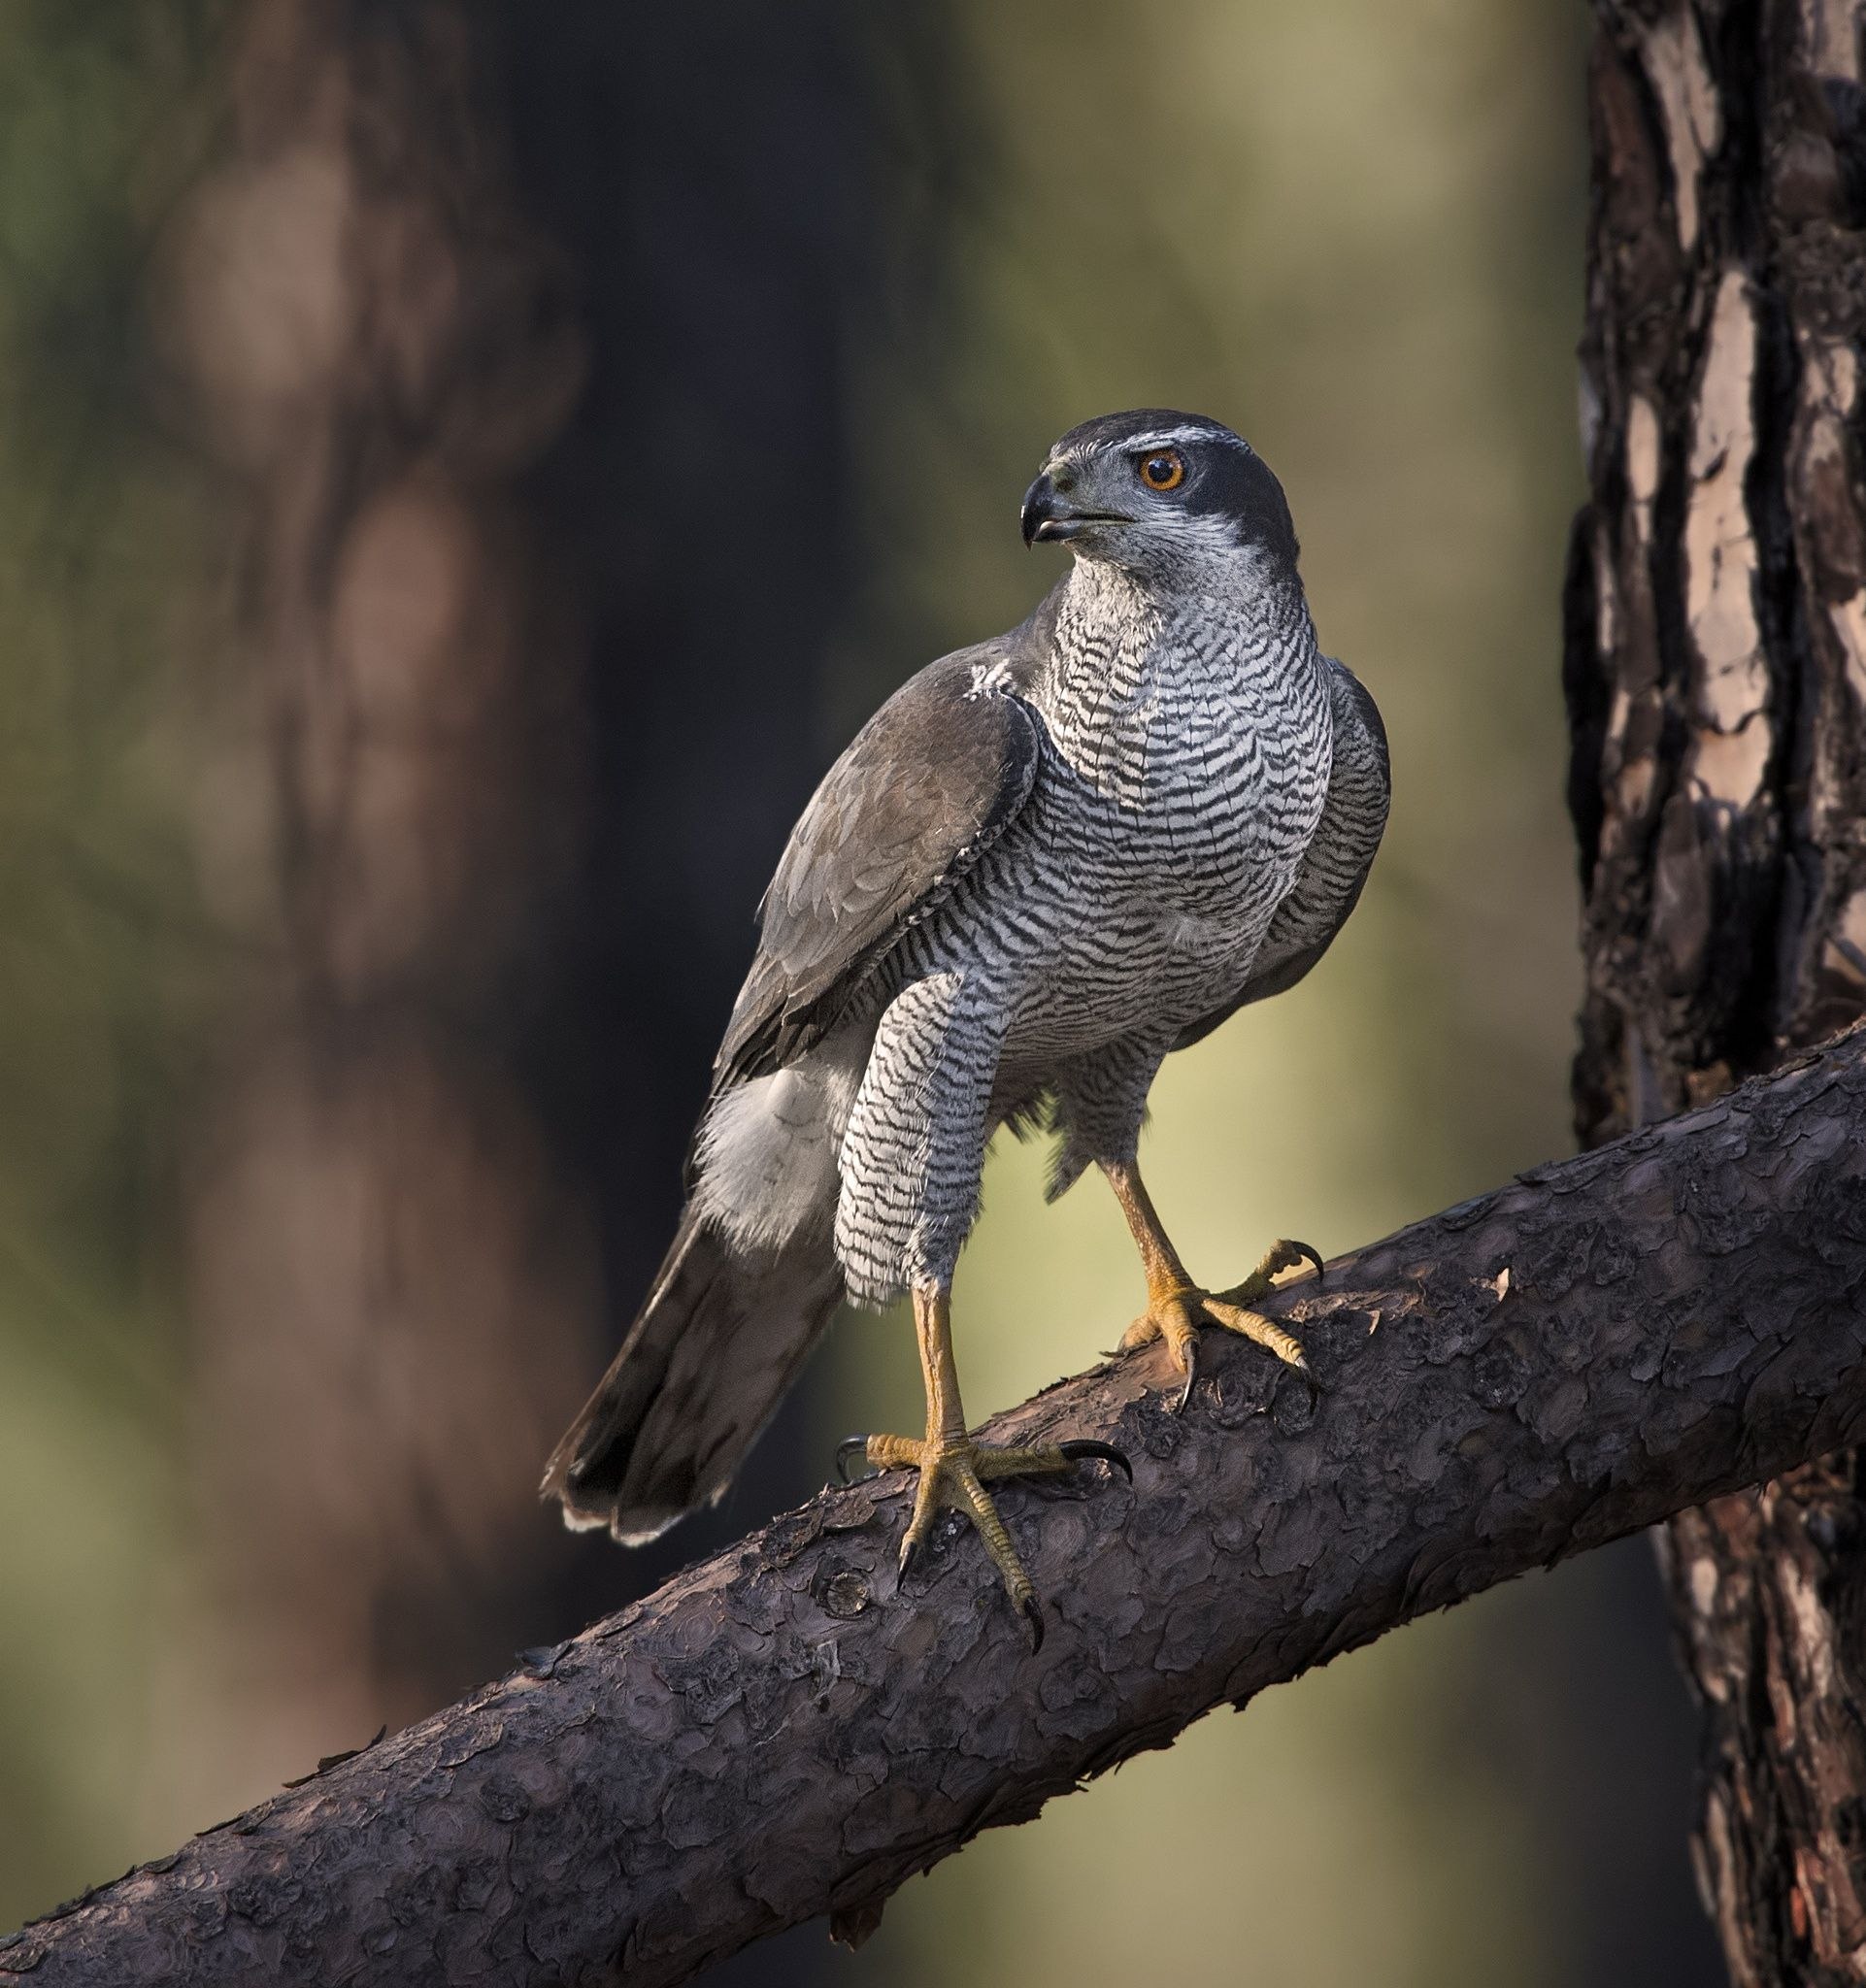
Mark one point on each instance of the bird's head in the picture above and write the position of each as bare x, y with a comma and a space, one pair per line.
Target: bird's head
1160, 492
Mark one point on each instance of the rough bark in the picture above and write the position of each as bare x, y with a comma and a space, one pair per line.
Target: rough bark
779, 1732
1715, 640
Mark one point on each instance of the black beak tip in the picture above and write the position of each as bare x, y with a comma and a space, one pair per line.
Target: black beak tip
1029, 518
1039, 509
1049, 517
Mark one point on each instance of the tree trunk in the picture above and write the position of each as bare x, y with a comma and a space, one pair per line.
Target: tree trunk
1715, 670
389, 1285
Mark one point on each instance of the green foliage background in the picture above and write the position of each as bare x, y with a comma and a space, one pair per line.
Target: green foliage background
103, 955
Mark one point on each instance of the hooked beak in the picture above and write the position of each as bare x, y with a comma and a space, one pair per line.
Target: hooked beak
1048, 518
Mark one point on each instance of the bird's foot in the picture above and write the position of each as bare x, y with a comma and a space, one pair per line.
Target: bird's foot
953, 1475
1175, 1312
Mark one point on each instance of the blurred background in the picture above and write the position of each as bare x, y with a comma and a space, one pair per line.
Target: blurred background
465, 468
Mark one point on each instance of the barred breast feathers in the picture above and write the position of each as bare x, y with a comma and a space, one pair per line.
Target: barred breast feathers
1201, 713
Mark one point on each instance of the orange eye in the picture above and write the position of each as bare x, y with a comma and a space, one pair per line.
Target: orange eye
1164, 470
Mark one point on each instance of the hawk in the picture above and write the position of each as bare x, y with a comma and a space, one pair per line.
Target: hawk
1044, 864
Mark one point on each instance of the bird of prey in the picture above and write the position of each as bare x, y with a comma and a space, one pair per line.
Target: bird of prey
1046, 862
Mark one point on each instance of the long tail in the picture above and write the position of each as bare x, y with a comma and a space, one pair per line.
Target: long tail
719, 1341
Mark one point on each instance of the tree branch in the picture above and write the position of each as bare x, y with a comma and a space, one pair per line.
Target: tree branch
779, 1734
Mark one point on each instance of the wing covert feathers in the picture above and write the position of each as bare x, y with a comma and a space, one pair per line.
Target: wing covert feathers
928, 784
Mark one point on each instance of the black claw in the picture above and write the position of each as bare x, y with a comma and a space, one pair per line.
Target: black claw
847, 1448
1191, 1377
909, 1558
1080, 1448
1033, 1615
1302, 1250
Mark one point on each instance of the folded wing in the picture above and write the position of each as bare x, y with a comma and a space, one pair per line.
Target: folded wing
927, 785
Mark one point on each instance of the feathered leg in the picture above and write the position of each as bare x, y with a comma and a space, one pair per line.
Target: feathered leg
910, 1160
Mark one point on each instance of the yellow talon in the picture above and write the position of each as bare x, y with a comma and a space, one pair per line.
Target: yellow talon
954, 1469
1176, 1306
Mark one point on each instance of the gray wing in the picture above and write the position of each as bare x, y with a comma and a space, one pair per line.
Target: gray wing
928, 784
1336, 863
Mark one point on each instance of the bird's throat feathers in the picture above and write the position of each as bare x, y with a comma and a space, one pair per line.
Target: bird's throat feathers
1130, 649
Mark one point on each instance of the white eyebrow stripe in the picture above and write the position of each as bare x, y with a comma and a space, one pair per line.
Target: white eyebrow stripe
1162, 437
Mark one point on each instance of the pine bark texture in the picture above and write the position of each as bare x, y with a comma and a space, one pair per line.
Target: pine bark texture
1715, 668
780, 1733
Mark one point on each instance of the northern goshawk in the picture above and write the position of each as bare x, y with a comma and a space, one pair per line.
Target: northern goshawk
1043, 864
